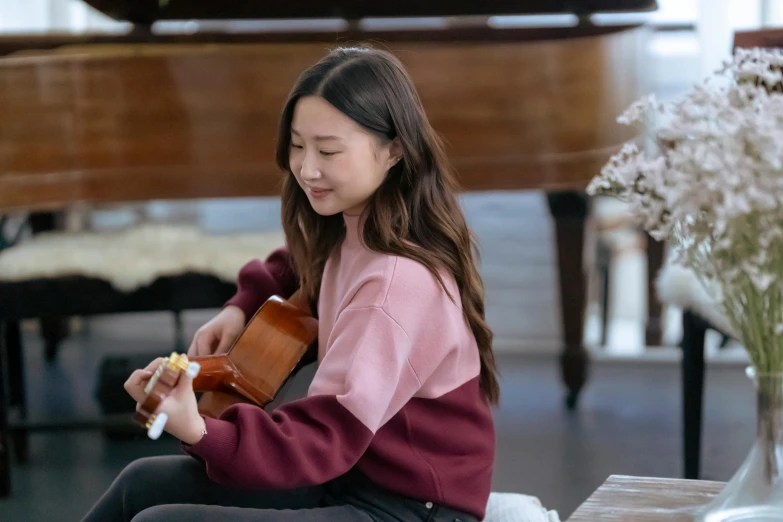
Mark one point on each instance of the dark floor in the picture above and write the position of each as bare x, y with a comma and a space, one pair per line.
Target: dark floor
627, 423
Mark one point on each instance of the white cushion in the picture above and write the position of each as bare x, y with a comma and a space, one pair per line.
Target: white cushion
515, 507
679, 286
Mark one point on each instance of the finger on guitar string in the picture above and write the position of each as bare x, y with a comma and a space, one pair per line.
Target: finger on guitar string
193, 349
202, 344
225, 343
136, 383
151, 367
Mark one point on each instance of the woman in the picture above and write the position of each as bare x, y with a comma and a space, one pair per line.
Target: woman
396, 424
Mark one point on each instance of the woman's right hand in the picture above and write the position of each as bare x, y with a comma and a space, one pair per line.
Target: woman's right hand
219, 333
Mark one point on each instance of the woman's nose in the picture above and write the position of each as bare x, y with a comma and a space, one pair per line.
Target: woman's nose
310, 174
309, 170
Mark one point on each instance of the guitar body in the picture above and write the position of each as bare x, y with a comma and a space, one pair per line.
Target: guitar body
252, 371
214, 403
260, 360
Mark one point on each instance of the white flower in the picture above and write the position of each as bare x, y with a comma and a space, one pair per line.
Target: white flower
638, 111
711, 184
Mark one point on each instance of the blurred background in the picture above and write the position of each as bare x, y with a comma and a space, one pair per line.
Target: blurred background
126, 124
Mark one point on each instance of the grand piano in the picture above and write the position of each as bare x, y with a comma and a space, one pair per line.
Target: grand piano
151, 115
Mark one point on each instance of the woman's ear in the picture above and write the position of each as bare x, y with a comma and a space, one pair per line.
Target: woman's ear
395, 152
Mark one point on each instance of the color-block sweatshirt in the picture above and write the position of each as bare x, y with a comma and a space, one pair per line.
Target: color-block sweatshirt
396, 392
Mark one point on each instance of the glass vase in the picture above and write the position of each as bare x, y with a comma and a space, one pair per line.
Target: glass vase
755, 492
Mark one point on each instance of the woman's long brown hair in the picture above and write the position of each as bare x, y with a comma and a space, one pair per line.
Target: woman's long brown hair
414, 213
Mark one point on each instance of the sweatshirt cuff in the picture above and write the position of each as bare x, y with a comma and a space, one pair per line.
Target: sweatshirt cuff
247, 301
221, 438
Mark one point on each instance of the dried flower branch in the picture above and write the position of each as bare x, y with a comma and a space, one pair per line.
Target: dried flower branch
710, 181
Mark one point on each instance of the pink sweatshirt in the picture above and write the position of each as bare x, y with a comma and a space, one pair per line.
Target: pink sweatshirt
396, 393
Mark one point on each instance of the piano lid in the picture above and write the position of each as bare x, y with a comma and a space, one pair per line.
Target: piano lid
148, 11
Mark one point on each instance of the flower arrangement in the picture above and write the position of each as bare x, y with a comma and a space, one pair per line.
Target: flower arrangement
706, 175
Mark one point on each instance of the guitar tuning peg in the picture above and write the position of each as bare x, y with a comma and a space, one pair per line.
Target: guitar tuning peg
177, 361
156, 428
193, 369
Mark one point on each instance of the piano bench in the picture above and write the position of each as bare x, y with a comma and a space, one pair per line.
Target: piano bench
71, 296
81, 296
61, 274
150, 268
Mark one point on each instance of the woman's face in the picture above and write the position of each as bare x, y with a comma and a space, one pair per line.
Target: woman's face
337, 163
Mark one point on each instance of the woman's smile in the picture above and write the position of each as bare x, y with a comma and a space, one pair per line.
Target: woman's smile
317, 192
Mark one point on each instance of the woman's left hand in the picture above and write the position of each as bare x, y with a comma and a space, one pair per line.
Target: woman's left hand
184, 422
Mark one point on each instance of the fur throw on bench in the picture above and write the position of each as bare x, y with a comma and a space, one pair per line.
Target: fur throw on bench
134, 257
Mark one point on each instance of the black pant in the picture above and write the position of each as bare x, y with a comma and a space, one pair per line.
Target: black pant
175, 488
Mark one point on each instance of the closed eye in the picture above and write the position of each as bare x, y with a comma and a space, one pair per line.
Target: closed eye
323, 152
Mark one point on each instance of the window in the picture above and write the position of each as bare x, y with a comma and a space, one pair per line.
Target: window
676, 12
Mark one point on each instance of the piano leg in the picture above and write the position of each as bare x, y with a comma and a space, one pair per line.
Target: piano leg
654, 328
16, 385
569, 210
53, 329
5, 460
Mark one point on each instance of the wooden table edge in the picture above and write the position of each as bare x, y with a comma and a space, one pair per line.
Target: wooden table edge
596, 503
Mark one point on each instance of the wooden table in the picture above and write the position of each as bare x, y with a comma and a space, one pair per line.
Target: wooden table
646, 499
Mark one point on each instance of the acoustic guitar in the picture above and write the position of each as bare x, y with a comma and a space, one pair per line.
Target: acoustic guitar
253, 370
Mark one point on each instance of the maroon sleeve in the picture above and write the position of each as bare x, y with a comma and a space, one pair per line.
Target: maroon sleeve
301, 443
258, 280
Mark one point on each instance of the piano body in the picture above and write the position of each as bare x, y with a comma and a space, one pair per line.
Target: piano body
149, 116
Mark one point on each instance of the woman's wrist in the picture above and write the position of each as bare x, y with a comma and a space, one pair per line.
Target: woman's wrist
235, 311
195, 431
